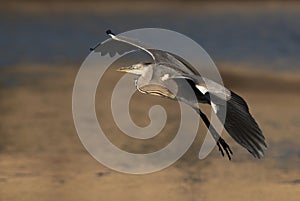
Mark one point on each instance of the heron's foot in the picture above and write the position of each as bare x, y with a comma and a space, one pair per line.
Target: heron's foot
224, 147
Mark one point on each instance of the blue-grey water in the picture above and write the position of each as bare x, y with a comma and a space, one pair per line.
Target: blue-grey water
263, 39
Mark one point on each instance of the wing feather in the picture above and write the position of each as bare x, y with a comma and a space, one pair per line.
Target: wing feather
158, 56
239, 123
242, 127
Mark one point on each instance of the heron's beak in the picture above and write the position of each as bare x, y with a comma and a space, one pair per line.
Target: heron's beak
125, 69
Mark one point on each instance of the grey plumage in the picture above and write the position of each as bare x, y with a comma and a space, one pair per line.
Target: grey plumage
169, 76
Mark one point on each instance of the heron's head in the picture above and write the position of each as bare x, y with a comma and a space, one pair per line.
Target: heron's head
137, 69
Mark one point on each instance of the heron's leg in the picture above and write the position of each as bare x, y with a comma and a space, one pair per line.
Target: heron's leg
225, 147
222, 145
220, 149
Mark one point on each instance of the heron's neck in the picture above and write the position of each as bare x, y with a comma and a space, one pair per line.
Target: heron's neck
147, 73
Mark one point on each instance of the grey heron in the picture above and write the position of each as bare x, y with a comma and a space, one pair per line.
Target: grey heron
170, 71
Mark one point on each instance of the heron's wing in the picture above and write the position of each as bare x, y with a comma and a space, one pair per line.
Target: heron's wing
113, 47
132, 42
186, 65
242, 127
176, 62
239, 123
158, 56
205, 85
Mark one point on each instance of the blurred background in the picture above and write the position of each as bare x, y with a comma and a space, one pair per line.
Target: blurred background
255, 45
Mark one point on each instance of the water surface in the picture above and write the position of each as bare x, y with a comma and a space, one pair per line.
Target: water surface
265, 39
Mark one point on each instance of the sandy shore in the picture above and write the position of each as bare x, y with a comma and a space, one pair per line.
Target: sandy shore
41, 157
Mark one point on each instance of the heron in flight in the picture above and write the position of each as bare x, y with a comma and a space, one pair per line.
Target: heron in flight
165, 76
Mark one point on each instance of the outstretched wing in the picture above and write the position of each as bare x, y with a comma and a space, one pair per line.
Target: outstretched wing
132, 42
205, 85
158, 56
242, 127
239, 123
113, 47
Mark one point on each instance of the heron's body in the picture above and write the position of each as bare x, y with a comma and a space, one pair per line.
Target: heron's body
172, 77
